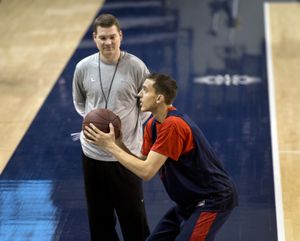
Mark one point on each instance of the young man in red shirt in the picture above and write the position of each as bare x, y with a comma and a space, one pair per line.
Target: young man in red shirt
192, 175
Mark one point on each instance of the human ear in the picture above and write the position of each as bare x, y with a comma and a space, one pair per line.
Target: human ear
159, 98
121, 35
94, 36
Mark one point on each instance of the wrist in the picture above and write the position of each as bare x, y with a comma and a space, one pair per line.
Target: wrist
112, 148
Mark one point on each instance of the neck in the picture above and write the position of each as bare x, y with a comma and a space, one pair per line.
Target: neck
113, 59
161, 113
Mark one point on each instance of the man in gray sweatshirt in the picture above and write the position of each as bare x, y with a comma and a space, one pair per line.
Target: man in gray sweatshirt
111, 79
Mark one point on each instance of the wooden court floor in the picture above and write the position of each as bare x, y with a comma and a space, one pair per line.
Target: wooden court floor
285, 40
38, 38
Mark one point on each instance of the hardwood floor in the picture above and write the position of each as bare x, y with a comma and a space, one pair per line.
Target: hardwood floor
37, 39
284, 23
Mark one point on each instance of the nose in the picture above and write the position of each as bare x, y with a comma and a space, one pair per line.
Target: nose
139, 94
108, 41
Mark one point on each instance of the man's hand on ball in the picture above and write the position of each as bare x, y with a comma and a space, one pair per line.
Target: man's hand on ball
98, 137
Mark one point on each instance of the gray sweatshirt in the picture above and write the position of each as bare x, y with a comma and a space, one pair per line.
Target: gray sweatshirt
128, 80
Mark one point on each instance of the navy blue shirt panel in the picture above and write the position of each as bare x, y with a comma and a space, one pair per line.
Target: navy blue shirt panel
197, 176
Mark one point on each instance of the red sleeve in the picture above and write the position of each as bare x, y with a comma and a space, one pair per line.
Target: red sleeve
174, 138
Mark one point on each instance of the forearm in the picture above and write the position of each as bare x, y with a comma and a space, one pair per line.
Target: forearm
144, 169
125, 148
136, 165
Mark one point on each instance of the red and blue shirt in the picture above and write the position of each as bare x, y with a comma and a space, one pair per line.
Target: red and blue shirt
192, 173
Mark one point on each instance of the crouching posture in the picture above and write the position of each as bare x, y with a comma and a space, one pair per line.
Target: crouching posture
175, 147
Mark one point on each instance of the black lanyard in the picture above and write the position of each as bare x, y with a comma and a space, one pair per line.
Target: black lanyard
112, 80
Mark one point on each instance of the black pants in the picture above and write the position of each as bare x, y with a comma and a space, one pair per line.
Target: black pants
110, 188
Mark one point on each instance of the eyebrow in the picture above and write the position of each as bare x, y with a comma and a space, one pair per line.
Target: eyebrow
108, 35
144, 87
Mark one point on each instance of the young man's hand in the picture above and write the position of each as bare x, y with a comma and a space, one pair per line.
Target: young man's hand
100, 138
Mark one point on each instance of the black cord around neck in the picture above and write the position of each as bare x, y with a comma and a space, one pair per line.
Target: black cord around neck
111, 82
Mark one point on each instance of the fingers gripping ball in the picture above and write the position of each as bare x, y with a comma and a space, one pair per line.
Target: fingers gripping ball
101, 119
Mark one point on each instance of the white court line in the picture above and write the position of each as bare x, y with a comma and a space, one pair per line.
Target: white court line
275, 151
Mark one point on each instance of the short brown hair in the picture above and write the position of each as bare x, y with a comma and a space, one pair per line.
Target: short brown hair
106, 21
165, 85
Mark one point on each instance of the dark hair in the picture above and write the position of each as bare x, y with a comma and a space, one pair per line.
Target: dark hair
106, 21
165, 85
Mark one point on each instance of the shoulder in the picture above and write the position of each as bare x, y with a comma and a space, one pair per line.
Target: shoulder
175, 121
132, 59
178, 125
89, 60
135, 69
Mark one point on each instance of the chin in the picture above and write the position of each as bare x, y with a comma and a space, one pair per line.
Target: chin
108, 52
143, 109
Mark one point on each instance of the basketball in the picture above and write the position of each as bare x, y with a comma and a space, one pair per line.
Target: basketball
101, 119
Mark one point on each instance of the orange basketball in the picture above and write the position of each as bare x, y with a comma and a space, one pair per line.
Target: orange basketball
101, 119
